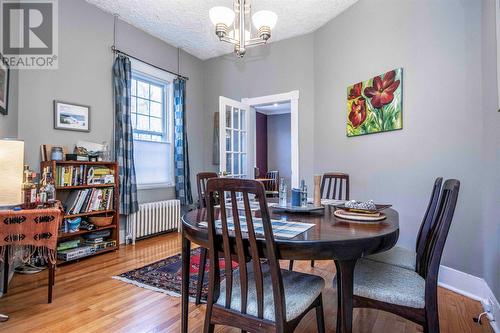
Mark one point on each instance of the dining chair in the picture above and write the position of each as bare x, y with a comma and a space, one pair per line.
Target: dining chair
257, 296
273, 184
201, 183
409, 259
334, 185
410, 294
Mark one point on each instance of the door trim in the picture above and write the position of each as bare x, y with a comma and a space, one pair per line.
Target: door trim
293, 97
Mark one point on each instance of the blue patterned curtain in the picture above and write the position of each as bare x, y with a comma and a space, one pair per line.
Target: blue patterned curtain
124, 142
181, 157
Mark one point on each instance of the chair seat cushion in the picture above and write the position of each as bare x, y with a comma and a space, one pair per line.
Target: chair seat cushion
301, 290
397, 256
388, 283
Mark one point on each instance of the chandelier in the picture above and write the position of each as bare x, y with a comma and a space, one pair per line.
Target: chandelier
239, 33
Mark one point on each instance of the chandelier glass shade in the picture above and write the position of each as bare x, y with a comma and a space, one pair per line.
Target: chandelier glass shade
233, 25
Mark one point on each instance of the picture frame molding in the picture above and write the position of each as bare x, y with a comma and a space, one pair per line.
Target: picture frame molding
57, 102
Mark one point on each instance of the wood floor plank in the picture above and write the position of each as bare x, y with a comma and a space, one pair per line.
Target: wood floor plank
87, 299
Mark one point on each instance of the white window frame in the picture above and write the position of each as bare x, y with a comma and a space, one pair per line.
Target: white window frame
159, 75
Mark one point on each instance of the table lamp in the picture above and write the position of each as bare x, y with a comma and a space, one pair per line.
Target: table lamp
11, 172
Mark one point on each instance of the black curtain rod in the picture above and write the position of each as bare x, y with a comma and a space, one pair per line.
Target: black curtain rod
115, 50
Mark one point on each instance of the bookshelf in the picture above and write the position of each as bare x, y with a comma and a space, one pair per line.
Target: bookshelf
72, 182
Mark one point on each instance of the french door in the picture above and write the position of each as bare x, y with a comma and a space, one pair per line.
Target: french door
235, 138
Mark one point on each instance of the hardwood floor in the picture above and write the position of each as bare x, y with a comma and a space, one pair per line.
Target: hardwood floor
87, 299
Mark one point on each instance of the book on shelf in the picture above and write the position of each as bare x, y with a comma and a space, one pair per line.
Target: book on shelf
89, 200
77, 175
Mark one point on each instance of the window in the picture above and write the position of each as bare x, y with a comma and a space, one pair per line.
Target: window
151, 113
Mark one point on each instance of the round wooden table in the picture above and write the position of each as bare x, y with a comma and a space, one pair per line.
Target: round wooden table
330, 239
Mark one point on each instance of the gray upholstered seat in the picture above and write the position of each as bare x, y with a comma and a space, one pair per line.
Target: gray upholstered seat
301, 290
397, 256
389, 283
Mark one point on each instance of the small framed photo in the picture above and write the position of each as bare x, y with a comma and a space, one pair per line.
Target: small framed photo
4, 86
71, 117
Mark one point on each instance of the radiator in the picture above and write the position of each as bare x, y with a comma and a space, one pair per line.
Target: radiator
153, 218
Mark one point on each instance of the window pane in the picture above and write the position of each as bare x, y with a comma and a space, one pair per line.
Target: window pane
156, 110
236, 164
142, 123
146, 137
229, 163
243, 147
142, 89
243, 164
133, 117
161, 171
236, 118
156, 93
133, 104
134, 87
228, 140
156, 124
142, 106
236, 141
243, 120
228, 116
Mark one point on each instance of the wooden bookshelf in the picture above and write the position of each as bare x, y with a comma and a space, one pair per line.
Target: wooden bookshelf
62, 192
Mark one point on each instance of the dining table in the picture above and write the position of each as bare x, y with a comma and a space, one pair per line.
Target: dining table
330, 238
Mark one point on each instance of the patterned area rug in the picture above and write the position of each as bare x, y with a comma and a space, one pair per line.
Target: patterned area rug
165, 276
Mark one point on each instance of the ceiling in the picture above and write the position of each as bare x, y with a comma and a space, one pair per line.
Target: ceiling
185, 23
274, 108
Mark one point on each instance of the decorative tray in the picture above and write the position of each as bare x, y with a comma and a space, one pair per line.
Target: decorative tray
346, 215
298, 209
378, 209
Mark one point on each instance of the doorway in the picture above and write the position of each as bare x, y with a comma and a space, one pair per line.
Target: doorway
281, 115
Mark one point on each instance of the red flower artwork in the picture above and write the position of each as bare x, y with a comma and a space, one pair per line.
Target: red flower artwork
355, 91
382, 91
358, 112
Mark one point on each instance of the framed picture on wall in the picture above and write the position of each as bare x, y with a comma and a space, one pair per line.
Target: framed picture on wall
4, 86
71, 117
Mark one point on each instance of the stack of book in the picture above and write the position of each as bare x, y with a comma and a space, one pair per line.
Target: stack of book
89, 200
75, 175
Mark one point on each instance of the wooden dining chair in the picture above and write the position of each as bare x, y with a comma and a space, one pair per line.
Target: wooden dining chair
410, 294
409, 259
273, 184
258, 296
334, 185
201, 183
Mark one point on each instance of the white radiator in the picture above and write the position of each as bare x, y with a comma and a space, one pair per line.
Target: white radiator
153, 218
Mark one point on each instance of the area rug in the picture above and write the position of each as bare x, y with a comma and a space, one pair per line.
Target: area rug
165, 276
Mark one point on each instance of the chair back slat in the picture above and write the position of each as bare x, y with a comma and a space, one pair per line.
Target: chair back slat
242, 245
254, 253
201, 183
340, 186
227, 253
426, 225
439, 231
240, 253
273, 184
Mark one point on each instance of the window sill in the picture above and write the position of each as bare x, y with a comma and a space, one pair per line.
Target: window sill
155, 186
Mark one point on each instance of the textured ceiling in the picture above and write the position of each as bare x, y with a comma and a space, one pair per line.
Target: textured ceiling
185, 23
274, 108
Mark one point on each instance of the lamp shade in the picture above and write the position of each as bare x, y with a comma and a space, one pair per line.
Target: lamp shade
264, 18
11, 172
221, 15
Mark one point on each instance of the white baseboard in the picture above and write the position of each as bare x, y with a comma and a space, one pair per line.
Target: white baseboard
472, 287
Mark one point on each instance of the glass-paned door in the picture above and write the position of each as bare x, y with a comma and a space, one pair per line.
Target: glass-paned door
234, 150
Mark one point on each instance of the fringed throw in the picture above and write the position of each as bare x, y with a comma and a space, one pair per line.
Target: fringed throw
30, 230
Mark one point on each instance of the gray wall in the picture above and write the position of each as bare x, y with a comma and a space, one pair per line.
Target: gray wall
438, 43
9, 122
279, 146
84, 76
491, 150
277, 68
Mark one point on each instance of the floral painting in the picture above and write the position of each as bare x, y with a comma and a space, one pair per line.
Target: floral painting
376, 105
